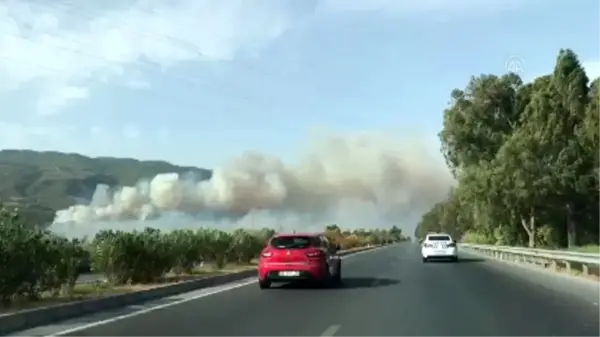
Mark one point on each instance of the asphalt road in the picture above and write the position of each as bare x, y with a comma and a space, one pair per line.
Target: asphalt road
387, 292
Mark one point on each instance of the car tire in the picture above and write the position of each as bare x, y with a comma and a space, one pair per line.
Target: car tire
264, 284
425, 259
337, 277
454, 259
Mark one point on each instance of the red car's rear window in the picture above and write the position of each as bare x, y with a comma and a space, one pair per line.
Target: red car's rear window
294, 242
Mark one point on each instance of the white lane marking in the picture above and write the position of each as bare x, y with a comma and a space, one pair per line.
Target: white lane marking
166, 305
150, 309
331, 330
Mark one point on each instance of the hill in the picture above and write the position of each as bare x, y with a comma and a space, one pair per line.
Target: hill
40, 183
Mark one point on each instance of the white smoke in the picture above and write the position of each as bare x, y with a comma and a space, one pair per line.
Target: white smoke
357, 181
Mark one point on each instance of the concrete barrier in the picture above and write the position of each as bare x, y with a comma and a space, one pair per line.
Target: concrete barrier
27, 319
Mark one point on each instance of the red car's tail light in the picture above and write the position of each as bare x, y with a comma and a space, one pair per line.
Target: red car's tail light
314, 253
266, 254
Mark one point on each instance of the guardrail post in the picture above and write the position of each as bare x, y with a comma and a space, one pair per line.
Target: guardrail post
585, 270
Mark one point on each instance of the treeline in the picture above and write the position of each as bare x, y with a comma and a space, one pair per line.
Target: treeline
525, 156
36, 262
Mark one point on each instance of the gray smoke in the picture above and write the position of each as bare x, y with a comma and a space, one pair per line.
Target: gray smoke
359, 181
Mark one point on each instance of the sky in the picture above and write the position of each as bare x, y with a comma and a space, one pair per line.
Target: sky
309, 111
196, 82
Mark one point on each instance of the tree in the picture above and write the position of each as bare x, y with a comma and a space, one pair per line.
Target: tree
519, 182
526, 157
480, 119
569, 87
395, 234
480, 209
333, 228
430, 222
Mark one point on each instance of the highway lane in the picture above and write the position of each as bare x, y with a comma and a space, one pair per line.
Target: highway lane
388, 292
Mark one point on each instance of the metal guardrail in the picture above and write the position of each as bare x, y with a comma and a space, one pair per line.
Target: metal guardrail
555, 259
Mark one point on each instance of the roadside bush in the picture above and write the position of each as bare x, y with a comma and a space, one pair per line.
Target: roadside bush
351, 241
34, 262
476, 238
187, 249
133, 257
245, 246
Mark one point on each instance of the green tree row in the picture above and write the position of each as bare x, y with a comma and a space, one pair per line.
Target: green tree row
525, 156
37, 262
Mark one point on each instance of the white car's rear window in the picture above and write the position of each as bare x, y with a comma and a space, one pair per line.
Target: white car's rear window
438, 238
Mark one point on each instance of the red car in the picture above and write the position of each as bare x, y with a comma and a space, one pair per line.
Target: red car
299, 257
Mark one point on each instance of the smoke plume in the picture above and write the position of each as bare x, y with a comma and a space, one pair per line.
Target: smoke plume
360, 181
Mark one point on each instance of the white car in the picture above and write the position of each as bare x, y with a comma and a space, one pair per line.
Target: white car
439, 245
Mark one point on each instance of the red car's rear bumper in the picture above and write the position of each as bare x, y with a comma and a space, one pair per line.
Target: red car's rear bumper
305, 271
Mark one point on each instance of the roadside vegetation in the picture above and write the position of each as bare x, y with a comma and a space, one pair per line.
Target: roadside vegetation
40, 266
525, 156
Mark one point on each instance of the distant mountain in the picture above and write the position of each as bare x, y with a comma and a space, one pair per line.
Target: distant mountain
40, 183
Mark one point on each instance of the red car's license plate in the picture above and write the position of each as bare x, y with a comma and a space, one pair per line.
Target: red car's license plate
289, 273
